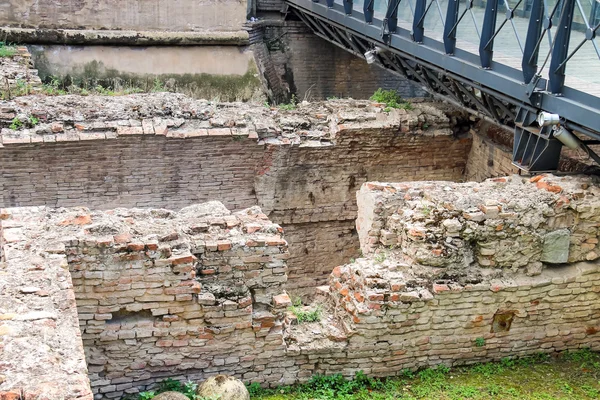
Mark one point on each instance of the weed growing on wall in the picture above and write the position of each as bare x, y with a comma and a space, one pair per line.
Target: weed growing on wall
303, 315
291, 105
28, 122
6, 50
391, 99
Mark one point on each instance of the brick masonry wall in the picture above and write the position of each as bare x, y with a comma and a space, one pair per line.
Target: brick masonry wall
190, 291
488, 158
294, 50
312, 181
131, 172
395, 328
315, 247
491, 155
194, 293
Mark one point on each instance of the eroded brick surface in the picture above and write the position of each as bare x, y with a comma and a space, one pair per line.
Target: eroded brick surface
509, 222
41, 353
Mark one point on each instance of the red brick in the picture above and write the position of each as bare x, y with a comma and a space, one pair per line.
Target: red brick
282, 300
223, 245
122, 238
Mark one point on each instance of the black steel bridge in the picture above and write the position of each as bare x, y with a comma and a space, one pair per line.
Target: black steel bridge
532, 65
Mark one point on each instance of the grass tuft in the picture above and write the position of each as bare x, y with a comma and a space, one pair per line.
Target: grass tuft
391, 99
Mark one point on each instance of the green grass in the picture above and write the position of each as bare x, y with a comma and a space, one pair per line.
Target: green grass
6, 50
303, 315
391, 99
571, 376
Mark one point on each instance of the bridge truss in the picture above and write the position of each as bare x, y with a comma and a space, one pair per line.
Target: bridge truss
525, 85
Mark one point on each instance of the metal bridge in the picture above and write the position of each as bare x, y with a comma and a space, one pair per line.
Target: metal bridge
532, 65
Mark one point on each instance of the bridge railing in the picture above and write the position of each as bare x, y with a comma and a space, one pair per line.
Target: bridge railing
552, 42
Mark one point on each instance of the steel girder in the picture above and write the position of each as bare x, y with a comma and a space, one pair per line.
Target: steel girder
492, 91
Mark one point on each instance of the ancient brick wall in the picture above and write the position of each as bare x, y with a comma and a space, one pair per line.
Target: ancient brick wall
396, 325
201, 291
304, 170
131, 172
294, 51
41, 353
409, 303
490, 156
191, 291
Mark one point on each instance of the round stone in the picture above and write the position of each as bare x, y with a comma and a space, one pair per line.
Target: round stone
223, 387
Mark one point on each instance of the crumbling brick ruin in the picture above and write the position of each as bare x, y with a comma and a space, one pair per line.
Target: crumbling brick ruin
152, 236
202, 291
302, 167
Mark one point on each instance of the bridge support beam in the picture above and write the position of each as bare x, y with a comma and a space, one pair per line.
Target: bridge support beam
560, 50
532, 42
486, 45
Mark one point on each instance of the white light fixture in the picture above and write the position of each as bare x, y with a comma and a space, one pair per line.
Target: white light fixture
546, 119
370, 55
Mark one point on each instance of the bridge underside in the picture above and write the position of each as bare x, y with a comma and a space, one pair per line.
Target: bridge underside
496, 91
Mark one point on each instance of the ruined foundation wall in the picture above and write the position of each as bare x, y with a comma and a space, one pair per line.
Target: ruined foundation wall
293, 50
201, 291
41, 353
191, 291
301, 166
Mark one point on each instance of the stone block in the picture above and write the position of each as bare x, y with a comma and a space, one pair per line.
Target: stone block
556, 247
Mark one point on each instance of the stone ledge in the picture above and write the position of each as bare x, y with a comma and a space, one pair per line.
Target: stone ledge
125, 38
178, 117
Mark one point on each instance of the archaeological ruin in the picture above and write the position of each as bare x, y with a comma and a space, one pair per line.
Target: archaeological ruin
168, 234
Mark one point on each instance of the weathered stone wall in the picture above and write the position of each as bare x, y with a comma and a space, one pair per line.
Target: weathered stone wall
170, 151
508, 222
41, 353
182, 15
